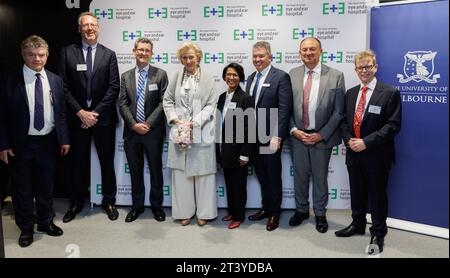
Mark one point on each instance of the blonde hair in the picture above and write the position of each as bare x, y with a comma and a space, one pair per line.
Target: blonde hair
366, 54
189, 45
83, 14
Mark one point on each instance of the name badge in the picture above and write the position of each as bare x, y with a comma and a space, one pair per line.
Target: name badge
375, 109
81, 67
232, 105
153, 87
266, 85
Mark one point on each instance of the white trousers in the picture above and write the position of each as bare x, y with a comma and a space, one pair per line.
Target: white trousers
195, 195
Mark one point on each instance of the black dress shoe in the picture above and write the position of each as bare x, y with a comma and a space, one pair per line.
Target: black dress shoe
379, 242
133, 214
71, 213
260, 215
51, 229
298, 218
159, 214
272, 223
25, 238
111, 211
351, 230
321, 224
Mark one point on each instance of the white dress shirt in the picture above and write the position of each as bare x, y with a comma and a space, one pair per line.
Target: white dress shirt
369, 92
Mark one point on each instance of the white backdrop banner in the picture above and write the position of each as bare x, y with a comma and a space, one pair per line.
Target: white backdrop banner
225, 31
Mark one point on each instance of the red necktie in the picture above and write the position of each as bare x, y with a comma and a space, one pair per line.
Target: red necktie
306, 92
359, 113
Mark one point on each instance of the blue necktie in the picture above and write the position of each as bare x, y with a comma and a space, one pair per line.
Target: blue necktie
255, 89
140, 111
89, 73
38, 103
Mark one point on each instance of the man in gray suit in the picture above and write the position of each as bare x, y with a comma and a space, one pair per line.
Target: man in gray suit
317, 112
141, 93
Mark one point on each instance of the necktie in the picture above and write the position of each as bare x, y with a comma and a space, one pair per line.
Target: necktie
359, 113
89, 73
306, 93
255, 89
38, 103
140, 111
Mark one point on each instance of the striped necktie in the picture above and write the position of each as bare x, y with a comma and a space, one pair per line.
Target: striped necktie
140, 111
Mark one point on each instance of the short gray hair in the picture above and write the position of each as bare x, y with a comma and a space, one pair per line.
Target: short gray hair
83, 14
33, 42
143, 40
263, 44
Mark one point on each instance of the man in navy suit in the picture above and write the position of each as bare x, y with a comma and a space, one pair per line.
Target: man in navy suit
373, 115
271, 90
91, 78
32, 126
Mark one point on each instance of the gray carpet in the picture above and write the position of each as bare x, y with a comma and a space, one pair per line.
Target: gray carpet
93, 235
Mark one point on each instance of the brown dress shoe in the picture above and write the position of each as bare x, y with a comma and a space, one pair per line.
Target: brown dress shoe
273, 223
260, 215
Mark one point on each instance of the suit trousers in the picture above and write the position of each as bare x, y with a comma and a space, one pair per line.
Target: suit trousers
196, 195
268, 170
310, 161
32, 176
80, 158
369, 183
236, 184
135, 150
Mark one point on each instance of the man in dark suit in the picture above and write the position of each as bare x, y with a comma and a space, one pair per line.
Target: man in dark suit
318, 111
270, 89
32, 126
373, 115
91, 78
141, 93
233, 151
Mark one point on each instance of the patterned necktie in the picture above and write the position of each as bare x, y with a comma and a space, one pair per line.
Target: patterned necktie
89, 73
255, 89
359, 113
38, 103
140, 111
306, 93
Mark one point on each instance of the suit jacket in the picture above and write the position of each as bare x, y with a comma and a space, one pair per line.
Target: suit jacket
229, 153
104, 86
330, 104
153, 102
15, 113
275, 93
377, 130
200, 159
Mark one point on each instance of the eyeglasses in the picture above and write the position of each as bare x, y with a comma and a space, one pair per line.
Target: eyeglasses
367, 68
143, 50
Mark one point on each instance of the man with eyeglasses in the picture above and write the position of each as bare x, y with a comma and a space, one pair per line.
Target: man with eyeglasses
142, 90
317, 113
91, 78
373, 115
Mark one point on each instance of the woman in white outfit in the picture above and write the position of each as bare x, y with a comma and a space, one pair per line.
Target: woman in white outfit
190, 104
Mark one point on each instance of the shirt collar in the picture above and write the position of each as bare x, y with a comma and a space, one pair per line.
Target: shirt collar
266, 70
371, 84
85, 45
144, 68
316, 69
29, 74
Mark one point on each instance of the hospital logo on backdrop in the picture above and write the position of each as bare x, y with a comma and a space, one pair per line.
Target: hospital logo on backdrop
248, 34
418, 67
300, 34
214, 58
131, 35
213, 11
333, 8
276, 10
104, 13
157, 13
277, 57
183, 35
332, 57
162, 58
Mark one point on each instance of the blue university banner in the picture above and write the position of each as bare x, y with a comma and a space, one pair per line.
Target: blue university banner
411, 42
